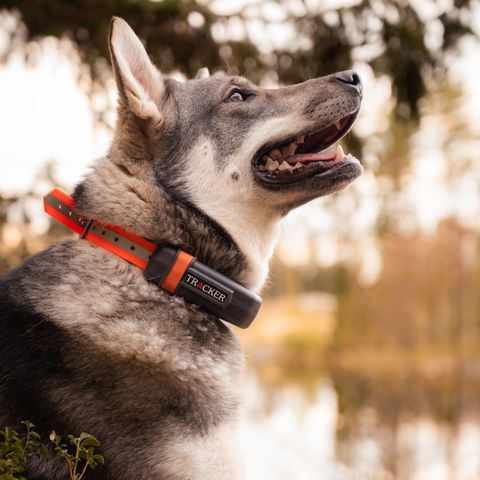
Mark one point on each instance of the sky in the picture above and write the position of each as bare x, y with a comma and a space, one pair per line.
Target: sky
44, 117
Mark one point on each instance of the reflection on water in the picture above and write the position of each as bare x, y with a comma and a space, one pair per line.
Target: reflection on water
350, 428
289, 435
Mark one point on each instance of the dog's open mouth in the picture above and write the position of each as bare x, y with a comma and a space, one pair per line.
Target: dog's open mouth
305, 155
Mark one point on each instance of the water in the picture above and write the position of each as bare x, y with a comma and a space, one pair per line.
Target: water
344, 426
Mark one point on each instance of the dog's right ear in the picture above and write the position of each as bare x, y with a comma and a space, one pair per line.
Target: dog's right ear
139, 82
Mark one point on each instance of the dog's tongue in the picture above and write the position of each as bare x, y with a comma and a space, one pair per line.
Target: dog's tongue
316, 157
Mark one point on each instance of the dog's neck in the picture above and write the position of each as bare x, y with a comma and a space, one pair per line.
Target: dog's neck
124, 193
254, 228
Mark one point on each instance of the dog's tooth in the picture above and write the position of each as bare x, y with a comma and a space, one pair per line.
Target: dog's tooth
289, 149
340, 153
272, 164
300, 139
298, 165
276, 153
338, 125
285, 166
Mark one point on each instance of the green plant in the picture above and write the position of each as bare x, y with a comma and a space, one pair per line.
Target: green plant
16, 449
82, 458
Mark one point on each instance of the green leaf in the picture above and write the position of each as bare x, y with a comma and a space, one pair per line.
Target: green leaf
90, 442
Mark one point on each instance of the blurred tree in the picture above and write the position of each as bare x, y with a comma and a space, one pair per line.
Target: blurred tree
391, 35
18, 237
425, 300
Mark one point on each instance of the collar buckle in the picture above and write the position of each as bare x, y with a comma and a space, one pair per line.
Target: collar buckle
86, 227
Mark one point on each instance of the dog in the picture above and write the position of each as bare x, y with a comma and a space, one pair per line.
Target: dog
212, 165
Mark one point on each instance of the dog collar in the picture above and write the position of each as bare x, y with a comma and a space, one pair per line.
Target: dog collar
169, 267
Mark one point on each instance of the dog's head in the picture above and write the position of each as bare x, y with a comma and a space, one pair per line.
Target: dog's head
242, 154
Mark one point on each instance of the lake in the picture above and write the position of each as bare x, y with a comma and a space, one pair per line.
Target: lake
340, 425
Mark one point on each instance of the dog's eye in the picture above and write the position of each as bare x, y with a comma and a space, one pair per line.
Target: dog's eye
237, 96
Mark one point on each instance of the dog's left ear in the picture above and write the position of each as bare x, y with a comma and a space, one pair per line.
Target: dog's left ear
139, 82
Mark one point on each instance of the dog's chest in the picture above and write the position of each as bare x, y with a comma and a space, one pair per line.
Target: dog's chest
140, 353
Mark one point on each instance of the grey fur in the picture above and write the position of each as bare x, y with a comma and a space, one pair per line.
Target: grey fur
88, 344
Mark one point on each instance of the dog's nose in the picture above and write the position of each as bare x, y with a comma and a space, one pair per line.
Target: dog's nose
350, 77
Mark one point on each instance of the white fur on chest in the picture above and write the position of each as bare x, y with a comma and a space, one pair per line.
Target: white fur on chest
215, 456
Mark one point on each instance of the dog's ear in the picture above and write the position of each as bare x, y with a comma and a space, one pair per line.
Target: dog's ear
139, 82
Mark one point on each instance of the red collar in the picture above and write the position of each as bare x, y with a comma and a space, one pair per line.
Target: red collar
136, 250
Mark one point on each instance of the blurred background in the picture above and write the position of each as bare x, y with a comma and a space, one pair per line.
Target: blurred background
365, 360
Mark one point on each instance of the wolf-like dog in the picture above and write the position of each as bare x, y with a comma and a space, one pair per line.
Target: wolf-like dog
211, 165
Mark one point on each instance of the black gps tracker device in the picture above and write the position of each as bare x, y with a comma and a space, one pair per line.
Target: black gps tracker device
183, 275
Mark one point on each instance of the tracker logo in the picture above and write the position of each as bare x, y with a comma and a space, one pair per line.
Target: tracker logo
211, 291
